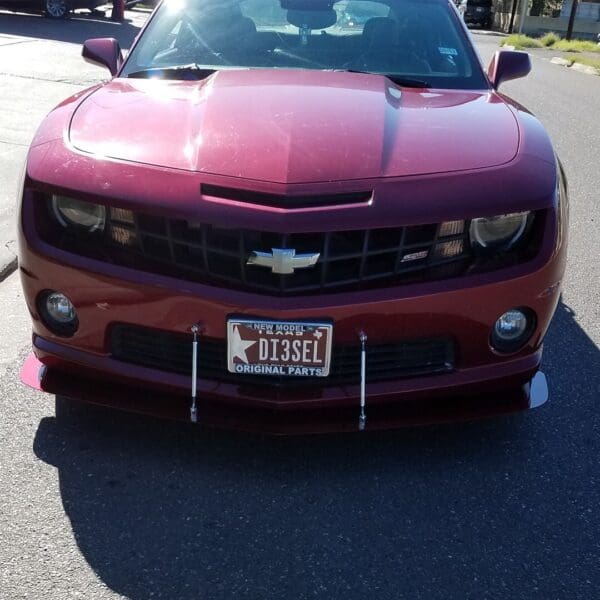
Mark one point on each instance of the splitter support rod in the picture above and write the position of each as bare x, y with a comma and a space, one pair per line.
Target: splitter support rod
193, 408
362, 419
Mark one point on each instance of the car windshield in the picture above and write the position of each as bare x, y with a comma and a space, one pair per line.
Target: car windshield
418, 40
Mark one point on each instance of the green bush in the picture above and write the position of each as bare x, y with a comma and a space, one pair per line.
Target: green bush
521, 41
576, 46
549, 40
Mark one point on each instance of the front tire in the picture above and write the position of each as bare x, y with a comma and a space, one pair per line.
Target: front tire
57, 9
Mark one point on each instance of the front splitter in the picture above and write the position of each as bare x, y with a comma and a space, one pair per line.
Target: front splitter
403, 413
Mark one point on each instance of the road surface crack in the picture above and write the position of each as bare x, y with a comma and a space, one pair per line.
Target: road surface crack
65, 81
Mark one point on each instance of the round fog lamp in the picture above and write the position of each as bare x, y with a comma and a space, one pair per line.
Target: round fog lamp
58, 313
59, 307
512, 330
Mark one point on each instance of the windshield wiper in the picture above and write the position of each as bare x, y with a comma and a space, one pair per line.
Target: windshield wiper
397, 79
174, 72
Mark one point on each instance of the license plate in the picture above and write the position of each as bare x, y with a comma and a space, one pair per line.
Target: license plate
257, 347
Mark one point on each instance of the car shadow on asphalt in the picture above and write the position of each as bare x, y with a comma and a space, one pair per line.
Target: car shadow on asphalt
75, 30
161, 509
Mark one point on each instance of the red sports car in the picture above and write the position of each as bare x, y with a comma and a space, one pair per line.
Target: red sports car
269, 220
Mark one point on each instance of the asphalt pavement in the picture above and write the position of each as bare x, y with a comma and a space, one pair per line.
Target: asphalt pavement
41, 65
104, 505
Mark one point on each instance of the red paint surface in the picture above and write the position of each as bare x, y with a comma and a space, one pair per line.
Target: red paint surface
295, 126
427, 157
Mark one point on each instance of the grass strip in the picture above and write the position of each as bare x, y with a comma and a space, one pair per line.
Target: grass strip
521, 42
576, 46
586, 60
552, 41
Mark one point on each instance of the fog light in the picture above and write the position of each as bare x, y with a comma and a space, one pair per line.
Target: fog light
58, 313
59, 307
512, 330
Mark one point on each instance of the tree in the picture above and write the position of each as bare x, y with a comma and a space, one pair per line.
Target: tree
537, 7
571, 19
512, 15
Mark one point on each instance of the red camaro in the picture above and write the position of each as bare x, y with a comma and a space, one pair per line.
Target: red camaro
271, 219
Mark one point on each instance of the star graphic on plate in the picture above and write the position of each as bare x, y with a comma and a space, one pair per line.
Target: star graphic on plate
318, 334
239, 346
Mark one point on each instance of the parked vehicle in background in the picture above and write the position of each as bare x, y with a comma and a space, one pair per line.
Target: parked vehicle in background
479, 12
54, 9
146, 3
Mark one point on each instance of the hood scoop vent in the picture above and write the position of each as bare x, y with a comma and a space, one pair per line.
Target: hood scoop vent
290, 202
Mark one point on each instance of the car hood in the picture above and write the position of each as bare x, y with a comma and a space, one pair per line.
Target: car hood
295, 126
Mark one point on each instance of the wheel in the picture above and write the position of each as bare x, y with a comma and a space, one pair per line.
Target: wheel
57, 9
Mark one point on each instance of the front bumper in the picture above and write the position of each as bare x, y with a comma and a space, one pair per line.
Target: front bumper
482, 382
92, 387
464, 309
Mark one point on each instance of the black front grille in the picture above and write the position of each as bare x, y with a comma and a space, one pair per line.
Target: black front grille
347, 259
173, 353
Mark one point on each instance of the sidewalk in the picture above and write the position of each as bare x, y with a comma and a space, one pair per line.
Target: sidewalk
41, 65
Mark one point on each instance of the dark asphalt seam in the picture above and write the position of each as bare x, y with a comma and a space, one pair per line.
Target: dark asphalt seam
8, 269
12, 43
13, 143
66, 81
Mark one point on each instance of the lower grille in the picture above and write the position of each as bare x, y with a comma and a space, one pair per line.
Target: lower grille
173, 353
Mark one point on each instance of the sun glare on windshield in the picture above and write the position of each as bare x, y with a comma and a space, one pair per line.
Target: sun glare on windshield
413, 40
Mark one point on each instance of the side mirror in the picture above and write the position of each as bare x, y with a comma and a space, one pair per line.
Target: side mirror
105, 52
508, 64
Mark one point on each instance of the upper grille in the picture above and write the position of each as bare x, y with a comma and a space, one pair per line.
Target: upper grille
348, 259
288, 202
173, 352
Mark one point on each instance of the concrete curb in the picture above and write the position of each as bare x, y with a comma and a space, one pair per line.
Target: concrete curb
488, 32
587, 69
581, 68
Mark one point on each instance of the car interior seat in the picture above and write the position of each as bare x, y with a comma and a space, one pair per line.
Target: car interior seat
226, 35
387, 50
379, 42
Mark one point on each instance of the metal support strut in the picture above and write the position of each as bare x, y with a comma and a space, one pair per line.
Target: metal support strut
362, 419
193, 409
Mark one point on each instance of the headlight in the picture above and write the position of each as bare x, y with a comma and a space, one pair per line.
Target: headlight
498, 233
75, 213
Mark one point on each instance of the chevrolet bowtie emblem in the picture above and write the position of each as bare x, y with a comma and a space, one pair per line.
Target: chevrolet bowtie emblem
282, 260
